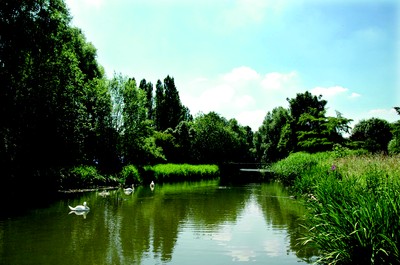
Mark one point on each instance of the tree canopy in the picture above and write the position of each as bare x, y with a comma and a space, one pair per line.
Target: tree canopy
58, 110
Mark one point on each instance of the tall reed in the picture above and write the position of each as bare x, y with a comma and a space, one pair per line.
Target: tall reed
180, 172
353, 202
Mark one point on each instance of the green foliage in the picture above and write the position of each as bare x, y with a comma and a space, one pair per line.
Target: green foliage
394, 144
353, 201
269, 140
292, 169
303, 128
169, 111
81, 176
148, 89
180, 172
53, 103
356, 224
135, 132
130, 175
217, 140
373, 134
310, 130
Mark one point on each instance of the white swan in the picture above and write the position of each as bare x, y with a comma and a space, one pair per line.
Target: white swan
79, 208
128, 191
152, 185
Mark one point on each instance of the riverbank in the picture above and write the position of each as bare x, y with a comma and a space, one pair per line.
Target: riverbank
353, 201
87, 177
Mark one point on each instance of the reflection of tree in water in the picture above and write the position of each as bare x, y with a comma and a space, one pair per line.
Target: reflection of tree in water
134, 227
156, 220
281, 211
146, 225
223, 206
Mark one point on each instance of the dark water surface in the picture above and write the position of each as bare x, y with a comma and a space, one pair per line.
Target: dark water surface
184, 223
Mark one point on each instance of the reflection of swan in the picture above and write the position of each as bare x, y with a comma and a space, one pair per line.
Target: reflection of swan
152, 185
83, 213
79, 208
128, 191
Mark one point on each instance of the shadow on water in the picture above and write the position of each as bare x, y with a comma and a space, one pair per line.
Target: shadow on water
174, 223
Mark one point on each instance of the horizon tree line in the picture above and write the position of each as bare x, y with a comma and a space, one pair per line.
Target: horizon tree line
58, 110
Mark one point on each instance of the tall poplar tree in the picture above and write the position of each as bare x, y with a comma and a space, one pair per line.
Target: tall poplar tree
169, 110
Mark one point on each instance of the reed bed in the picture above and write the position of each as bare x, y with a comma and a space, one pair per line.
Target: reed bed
180, 172
353, 202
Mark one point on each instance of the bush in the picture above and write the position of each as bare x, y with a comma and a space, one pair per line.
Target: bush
297, 165
81, 176
130, 175
394, 146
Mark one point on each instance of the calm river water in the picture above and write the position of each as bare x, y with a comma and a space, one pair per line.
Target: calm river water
184, 223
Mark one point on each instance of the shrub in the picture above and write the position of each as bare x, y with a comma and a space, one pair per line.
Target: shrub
81, 176
297, 165
130, 175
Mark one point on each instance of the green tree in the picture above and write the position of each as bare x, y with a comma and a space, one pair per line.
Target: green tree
47, 70
373, 135
169, 111
184, 134
137, 143
394, 144
216, 140
148, 89
307, 112
267, 139
310, 130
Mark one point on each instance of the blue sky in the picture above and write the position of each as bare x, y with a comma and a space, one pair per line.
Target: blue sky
242, 58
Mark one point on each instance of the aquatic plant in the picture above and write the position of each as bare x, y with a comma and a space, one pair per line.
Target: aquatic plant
354, 205
355, 223
180, 172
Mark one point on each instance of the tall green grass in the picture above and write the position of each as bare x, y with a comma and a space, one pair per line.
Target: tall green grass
354, 205
180, 172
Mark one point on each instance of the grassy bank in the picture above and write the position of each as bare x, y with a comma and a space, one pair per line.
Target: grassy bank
180, 172
353, 201
88, 177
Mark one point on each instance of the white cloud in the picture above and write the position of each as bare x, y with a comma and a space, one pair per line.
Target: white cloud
328, 92
244, 101
252, 118
242, 93
354, 95
280, 81
242, 254
273, 247
242, 73
387, 114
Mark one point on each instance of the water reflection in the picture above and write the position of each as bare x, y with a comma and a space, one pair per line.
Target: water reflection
182, 223
82, 213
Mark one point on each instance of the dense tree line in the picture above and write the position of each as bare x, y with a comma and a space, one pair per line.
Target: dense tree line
304, 126
57, 110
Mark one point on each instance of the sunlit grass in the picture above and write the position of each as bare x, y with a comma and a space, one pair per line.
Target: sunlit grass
354, 205
181, 172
